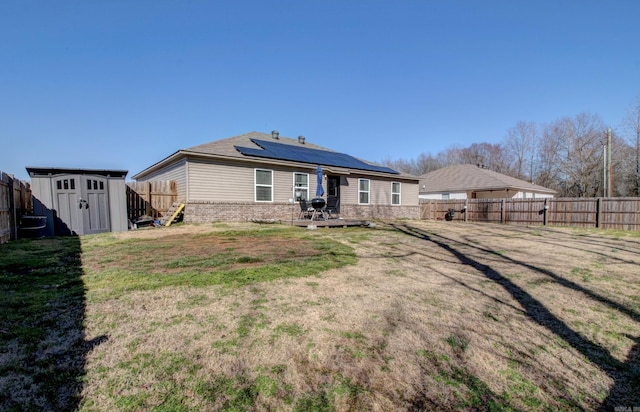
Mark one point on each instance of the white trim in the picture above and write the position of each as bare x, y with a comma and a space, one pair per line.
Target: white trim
303, 188
399, 193
368, 191
187, 195
255, 185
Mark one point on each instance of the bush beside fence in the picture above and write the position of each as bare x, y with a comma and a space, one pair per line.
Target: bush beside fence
607, 213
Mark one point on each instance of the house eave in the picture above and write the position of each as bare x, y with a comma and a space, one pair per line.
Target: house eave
158, 165
489, 189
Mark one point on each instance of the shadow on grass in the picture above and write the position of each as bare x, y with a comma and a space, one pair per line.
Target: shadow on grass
626, 375
42, 339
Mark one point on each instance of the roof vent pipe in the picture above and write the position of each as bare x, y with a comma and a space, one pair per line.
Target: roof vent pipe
301, 139
275, 134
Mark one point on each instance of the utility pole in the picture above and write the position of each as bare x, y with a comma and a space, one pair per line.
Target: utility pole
638, 160
610, 185
604, 170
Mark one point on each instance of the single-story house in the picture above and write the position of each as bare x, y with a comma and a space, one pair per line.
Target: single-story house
476, 182
258, 176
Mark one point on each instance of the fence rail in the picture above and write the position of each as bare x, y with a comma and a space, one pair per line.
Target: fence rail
151, 198
15, 202
606, 213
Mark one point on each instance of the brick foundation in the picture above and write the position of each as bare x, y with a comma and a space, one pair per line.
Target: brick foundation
203, 212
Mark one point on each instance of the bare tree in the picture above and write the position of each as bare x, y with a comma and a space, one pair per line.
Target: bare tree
584, 163
570, 155
565, 155
401, 165
548, 155
631, 127
624, 159
520, 146
486, 154
427, 163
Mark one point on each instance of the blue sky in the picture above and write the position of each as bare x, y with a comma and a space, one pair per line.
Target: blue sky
122, 84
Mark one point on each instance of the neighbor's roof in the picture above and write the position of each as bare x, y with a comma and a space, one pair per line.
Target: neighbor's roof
232, 148
463, 178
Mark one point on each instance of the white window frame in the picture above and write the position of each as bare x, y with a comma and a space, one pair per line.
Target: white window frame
398, 193
256, 185
302, 188
368, 191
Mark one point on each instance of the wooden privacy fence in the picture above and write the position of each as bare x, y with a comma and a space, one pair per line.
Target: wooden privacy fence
606, 213
15, 202
151, 198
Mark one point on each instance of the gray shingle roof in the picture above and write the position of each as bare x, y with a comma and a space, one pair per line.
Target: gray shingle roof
227, 148
462, 178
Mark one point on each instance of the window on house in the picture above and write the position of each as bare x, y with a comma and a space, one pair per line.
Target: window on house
395, 193
264, 185
363, 191
445, 196
300, 186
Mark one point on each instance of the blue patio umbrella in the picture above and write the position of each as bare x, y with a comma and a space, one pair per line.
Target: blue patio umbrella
319, 189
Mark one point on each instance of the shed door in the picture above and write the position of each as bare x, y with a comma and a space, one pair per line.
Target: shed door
82, 204
95, 205
67, 195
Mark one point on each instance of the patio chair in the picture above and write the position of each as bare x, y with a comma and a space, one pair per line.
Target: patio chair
332, 208
306, 211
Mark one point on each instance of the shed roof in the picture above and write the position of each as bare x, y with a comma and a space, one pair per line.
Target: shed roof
467, 177
46, 171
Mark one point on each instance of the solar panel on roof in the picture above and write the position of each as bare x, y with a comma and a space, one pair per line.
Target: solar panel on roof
280, 151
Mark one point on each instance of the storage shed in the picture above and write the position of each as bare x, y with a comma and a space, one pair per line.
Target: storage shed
79, 201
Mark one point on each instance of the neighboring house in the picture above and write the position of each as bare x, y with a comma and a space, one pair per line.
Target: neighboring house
261, 176
475, 182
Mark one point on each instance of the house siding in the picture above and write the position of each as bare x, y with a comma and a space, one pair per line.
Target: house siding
234, 181
225, 192
379, 191
176, 171
221, 182
495, 194
438, 196
504, 194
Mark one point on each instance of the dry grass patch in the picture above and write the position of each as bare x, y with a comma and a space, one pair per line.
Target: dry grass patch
434, 315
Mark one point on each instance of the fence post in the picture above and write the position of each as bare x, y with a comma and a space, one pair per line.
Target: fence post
13, 223
147, 205
502, 211
598, 212
466, 209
